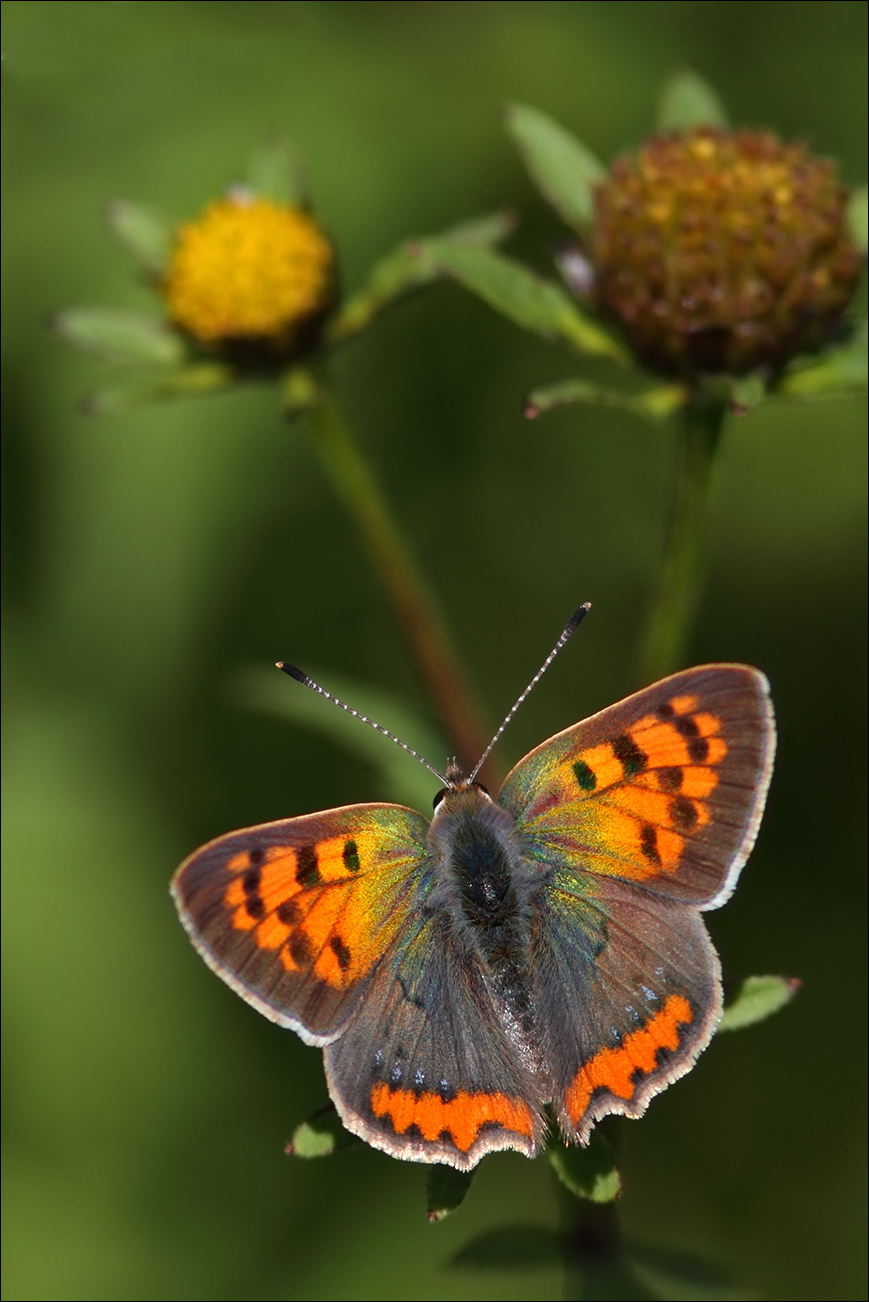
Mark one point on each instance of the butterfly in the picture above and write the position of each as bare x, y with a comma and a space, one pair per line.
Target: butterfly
539, 953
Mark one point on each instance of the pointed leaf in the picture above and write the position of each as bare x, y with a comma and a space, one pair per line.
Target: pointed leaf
145, 233
445, 1190
120, 335
858, 218
588, 1172
320, 1136
688, 101
138, 391
513, 1247
682, 1277
839, 370
528, 300
409, 267
654, 405
757, 998
275, 172
478, 232
564, 170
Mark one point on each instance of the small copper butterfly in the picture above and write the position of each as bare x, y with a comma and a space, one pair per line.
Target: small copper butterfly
544, 948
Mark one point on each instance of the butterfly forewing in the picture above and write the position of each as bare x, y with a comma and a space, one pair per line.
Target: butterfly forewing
295, 915
664, 789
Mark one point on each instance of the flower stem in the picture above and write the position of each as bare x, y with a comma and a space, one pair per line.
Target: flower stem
412, 602
683, 571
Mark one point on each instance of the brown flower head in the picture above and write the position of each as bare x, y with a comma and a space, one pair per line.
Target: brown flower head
722, 251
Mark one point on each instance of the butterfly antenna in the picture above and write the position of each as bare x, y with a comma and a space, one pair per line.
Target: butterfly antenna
572, 625
303, 678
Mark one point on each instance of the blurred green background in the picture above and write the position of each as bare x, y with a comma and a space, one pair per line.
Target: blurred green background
150, 561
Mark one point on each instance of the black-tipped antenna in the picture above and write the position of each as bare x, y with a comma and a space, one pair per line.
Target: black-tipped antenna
572, 625
303, 678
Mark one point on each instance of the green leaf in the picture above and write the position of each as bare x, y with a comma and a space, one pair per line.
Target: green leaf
655, 405
298, 391
275, 172
688, 101
320, 1136
412, 265
757, 998
588, 1172
189, 381
837, 371
682, 1277
119, 334
145, 233
401, 777
445, 1190
858, 218
528, 300
746, 392
564, 170
513, 1247
478, 233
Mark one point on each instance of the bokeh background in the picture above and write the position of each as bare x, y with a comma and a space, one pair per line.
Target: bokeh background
156, 564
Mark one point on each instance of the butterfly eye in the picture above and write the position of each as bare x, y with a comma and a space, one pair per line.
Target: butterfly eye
439, 797
479, 786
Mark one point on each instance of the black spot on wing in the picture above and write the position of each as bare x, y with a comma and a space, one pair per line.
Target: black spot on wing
684, 813
649, 843
698, 747
341, 952
670, 779
288, 912
585, 776
351, 856
252, 898
307, 866
300, 949
627, 752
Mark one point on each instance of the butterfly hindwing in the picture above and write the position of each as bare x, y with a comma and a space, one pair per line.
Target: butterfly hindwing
626, 1010
664, 789
425, 1070
294, 915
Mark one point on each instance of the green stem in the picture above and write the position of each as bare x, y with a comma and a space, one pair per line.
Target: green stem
683, 571
411, 600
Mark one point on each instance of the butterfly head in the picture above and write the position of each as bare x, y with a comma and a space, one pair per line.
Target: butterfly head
457, 784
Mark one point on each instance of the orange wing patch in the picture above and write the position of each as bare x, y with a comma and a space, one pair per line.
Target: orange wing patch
650, 785
461, 1118
308, 903
615, 1069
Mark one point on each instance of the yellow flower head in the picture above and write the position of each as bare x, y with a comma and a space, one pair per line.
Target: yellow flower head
723, 251
250, 271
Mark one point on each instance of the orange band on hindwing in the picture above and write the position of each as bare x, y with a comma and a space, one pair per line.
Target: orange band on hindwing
460, 1119
615, 1069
